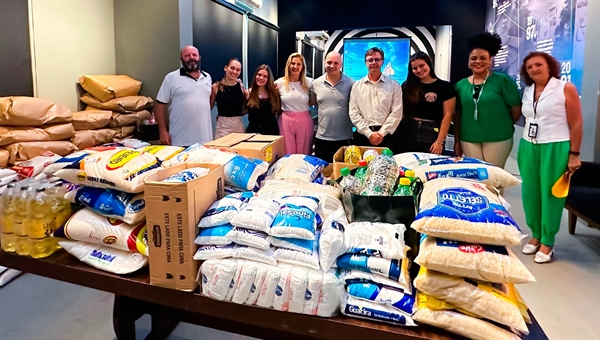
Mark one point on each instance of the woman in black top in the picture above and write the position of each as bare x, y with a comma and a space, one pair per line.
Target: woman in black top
264, 103
230, 96
428, 107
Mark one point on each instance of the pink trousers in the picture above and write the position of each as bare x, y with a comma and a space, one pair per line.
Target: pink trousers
297, 129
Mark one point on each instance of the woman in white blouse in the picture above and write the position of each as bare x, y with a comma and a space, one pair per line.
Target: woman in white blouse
296, 124
549, 148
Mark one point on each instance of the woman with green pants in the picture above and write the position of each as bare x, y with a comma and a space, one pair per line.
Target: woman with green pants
549, 148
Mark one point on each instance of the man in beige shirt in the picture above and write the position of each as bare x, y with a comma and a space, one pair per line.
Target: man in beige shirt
376, 105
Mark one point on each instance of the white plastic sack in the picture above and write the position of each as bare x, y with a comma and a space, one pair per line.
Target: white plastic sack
105, 258
122, 206
247, 237
375, 238
368, 310
296, 218
215, 236
297, 168
258, 214
331, 241
224, 210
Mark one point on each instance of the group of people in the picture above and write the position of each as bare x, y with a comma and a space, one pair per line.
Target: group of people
415, 116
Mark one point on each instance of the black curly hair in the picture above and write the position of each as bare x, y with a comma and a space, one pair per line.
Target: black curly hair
490, 42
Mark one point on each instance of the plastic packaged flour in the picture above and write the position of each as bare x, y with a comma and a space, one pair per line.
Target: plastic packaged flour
215, 252
392, 297
305, 246
224, 210
396, 270
120, 169
129, 208
216, 236
258, 214
313, 292
297, 167
364, 309
296, 218
245, 281
87, 226
105, 258
259, 278
466, 211
374, 238
298, 258
331, 240
350, 276
331, 293
247, 237
186, 175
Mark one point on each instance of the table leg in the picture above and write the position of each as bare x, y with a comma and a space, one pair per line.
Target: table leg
124, 317
161, 328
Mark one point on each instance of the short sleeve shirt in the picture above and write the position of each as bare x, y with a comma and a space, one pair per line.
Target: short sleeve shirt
494, 122
294, 99
333, 101
188, 105
431, 101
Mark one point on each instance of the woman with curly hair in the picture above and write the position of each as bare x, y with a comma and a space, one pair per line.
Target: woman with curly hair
549, 148
488, 104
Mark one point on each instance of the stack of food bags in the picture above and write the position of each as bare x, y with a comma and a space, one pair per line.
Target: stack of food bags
468, 270
119, 95
91, 128
110, 233
31, 126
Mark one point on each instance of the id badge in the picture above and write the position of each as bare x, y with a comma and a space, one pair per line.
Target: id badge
533, 130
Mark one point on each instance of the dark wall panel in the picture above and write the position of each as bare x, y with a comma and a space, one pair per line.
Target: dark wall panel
16, 78
467, 17
307, 52
262, 48
318, 68
217, 34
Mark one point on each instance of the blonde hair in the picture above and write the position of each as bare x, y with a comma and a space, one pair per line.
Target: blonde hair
286, 78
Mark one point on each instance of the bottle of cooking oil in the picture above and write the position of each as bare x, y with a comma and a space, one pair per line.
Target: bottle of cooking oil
40, 224
61, 208
21, 219
7, 239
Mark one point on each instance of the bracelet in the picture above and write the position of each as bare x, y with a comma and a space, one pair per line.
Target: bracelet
574, 153
439, 143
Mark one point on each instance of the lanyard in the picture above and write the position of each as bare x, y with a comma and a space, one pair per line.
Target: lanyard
535, 102
476, 101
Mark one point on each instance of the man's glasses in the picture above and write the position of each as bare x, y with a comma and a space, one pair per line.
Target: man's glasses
374, 60
476, 90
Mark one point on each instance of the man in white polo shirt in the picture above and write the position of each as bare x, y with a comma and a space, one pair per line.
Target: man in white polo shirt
185, 96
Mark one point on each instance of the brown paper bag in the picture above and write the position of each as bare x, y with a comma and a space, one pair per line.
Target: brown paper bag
4, 155
17, 134
27, 150
124, 131
107, 87
91, 119
124, 119
89, 138
28, 111
124, 104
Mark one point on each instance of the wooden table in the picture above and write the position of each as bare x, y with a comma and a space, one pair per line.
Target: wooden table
134, 297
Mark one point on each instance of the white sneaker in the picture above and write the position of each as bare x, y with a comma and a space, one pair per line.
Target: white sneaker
529, 249
543, 258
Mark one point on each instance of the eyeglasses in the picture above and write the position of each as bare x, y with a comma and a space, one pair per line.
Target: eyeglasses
374, 60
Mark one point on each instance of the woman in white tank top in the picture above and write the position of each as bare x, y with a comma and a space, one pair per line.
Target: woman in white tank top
549, 148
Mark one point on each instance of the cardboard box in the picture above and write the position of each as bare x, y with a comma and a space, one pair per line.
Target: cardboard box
338, 160
265, 147
173, 211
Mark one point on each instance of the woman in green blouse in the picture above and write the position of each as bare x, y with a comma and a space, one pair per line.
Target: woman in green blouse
488, 104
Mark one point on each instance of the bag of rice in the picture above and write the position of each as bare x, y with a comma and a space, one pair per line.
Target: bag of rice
475, 261
396, 270
105, 258
329, 196
297, 167
215, 252
331, 241
27, 150
128, 119
17, 134
129, 208
28, 111
258, 214
127, 104
64, 161
376, 239
296, 218
240, 171
494, 301
90, 138
465, 211
381, 294
458, 323
214, 236
91, 120
107, 87
469, 168
406, 158
36, 165
350, 276
162, 152
247, 237
120, 169
364, 309
87, 226
224, 210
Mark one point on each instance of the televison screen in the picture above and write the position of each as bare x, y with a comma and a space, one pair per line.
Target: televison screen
396, 55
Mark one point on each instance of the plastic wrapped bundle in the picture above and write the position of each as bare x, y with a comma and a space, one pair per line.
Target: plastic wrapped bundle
382, 176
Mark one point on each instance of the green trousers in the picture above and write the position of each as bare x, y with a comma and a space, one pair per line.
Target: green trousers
541, 165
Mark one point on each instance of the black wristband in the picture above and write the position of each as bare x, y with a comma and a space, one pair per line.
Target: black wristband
574, 153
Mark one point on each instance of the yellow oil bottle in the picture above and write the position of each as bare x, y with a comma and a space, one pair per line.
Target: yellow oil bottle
7, 239
21, 219
40, 224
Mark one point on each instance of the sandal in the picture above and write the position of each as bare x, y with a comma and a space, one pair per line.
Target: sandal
530, 249
543, 258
